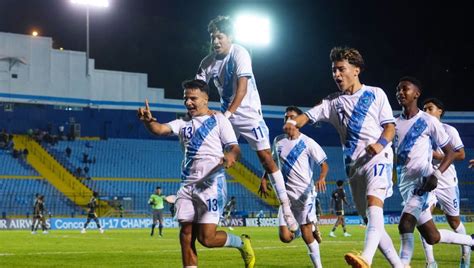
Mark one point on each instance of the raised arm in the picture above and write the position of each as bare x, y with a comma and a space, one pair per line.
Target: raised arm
144, 115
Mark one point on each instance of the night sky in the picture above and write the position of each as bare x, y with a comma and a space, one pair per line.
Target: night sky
168, 39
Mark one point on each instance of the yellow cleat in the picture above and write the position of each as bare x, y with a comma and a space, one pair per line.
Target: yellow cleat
356, 260
247, 252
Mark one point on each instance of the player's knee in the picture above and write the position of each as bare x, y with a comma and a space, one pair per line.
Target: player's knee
432, 238
205, 241
405, 227
285, 238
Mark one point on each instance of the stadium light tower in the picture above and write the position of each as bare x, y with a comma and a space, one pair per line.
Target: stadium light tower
252, 30
88, 4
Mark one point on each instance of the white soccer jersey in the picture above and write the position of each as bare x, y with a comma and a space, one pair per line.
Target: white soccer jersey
225, 73
413, 147
296, 159
358, 118
204, 139
449, 178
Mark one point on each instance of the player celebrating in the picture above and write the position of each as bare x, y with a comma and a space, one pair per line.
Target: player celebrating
210, 146
447, 192
297, 158
156, 203
415, 133
363, 117
229, 65
91, 214
338, 199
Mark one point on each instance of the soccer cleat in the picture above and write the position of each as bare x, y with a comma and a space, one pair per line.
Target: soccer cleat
230, 228
83, 231
347, 234
45, 232
101, 230
432, 265
356, 260
317, 233
331, 234
33, 232
465, 260
247, 251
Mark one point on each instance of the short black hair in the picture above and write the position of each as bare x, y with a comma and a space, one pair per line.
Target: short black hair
339, 183
196, 84
436, 102
95, 194
222, 24
158, 187
412, 80
294, 109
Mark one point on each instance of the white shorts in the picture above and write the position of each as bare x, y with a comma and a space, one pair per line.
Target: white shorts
202, 202
373, 178
448, 199
418, 203
304, 213
254, 130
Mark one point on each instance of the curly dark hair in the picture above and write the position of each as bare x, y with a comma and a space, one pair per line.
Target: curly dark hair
222, 24
352, 55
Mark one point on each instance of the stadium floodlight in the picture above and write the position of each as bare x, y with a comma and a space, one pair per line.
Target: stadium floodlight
88, 4
92, 3
252, 30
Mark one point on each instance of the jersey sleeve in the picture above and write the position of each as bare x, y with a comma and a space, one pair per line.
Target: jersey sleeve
226, 130
386, 113
201, 73
438, 134
176, 126
456, 141
317, 153
243, 63
320, 112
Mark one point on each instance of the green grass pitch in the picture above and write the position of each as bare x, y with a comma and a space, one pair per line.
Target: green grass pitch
135, 248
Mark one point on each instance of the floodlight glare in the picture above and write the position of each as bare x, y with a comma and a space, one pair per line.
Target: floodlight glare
252, 30
95, 3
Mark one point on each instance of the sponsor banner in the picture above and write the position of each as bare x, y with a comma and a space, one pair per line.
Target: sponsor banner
232, 222
261, 222
78, 223
20, 224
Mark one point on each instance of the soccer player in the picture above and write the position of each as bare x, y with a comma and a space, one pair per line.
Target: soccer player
297, 157
447, 191
156, 203
210, 146
230, 67
229, 208
416, 131
91, 214
39, 216
363, 117
338, 199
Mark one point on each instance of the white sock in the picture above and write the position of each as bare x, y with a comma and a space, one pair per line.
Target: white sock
389, 251
313, 252
428, 250
462, 230
450, 237
406, 248
233, 241
373, 232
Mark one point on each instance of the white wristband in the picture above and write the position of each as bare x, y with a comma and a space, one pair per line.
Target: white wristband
291, 121
227, 114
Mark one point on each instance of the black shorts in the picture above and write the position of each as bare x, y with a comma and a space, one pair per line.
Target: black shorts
157, 215
91, 215
340, 213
